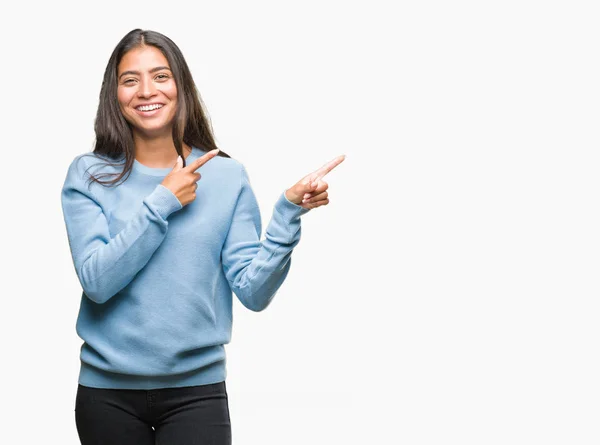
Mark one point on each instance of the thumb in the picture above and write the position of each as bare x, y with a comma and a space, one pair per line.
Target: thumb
307, 187
178, 164
296, 193
310, 186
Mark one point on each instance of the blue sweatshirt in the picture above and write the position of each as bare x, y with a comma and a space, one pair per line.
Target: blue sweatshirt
157, 278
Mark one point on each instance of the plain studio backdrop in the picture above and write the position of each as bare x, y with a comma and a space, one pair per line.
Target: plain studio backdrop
448, 294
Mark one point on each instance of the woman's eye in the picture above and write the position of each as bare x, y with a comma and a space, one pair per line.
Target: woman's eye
162, 77
129, 81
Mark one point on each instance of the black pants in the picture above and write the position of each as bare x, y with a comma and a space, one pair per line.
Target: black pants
193, 415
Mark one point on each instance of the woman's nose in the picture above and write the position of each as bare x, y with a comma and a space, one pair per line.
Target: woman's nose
147, 89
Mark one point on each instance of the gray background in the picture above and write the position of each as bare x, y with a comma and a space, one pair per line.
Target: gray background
449, 292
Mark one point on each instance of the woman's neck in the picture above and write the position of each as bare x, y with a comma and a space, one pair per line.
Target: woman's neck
157, 152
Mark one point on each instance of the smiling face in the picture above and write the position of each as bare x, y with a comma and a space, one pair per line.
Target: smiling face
147, 92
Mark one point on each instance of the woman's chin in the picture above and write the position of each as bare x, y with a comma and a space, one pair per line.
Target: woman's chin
153, 132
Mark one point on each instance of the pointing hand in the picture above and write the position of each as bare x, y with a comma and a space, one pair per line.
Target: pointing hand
311, 191
183, 181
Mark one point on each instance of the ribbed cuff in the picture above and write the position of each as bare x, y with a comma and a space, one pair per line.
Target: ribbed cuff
288, 209
163, 201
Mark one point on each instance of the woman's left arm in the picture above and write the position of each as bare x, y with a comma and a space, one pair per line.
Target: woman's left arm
256, 269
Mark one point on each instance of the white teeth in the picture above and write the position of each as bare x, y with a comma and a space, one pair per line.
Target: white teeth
149, 107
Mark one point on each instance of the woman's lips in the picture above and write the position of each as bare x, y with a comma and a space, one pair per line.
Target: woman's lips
148, 110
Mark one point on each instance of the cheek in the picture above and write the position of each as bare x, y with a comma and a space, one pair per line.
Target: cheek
124, 97
171, 91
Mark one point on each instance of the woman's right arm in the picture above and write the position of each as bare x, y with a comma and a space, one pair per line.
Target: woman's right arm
105, 265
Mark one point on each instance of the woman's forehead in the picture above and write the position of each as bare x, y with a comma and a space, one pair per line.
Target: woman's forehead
143, 58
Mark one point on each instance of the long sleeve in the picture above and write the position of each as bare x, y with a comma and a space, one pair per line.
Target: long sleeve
105, 265
255, 270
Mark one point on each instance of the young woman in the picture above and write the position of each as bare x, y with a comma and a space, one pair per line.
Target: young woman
163, 227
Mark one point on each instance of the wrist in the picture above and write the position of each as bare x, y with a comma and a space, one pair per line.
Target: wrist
292, 197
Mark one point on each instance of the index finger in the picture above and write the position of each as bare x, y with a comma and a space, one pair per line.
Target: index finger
202, 160
329, 166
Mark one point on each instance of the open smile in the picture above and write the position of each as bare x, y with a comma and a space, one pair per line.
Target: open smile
148, 109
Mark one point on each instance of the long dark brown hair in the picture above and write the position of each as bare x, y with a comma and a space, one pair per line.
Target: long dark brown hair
114, 139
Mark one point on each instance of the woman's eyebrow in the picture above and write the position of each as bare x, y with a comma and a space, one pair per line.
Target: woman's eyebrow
137, 73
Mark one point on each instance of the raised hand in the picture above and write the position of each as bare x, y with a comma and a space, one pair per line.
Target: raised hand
183, 181
311, 191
